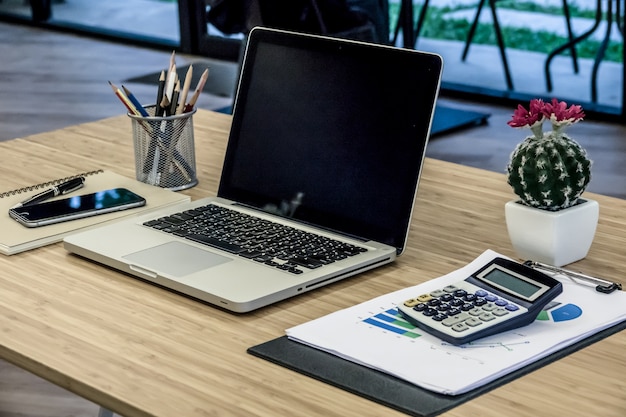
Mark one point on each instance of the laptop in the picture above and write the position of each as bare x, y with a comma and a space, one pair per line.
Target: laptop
324, 156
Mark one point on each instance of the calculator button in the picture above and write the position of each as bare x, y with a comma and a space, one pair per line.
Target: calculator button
476, 311
489, 307
500, 312
480, 302
491, 298
470, 297
456, 302
454, 311
446, 297
500, 302
429, 312
511, 307
437, 293
434, 302
444, 307
424, 297
450, 288
460, 293
473, 322
486, 317
467, 306
420, 307
481, 293
452, 320
439, 317
460, 327
411, 302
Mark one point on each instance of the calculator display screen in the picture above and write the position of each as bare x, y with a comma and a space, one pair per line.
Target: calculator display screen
513, 283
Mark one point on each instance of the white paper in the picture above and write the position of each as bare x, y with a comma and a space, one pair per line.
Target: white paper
373, 334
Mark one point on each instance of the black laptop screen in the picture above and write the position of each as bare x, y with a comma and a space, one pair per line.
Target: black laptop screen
331, 132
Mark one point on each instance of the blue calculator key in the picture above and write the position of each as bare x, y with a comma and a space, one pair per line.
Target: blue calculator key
500, 302
482, 293
491, 298
511, 307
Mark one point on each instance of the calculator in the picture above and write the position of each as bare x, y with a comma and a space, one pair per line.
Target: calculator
500, 296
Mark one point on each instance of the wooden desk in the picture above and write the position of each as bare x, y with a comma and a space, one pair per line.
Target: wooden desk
143, 351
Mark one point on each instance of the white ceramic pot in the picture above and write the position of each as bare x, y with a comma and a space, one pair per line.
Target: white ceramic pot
553, 237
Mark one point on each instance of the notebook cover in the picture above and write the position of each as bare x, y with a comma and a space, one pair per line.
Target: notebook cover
386, 389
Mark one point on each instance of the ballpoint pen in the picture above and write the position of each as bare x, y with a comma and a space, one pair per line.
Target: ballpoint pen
63, 188
601, 285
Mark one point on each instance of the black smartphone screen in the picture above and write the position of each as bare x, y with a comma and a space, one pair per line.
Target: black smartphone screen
78, 206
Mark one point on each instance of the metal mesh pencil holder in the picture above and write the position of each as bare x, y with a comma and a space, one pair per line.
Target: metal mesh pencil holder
164, 149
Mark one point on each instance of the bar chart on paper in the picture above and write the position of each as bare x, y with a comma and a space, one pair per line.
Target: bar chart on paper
391, 321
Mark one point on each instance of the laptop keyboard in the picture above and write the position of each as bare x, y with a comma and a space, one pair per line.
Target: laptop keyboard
264, 241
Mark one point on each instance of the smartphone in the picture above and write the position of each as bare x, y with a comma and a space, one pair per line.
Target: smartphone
76, 207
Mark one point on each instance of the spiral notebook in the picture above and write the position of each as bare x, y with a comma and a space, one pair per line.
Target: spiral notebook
16, 238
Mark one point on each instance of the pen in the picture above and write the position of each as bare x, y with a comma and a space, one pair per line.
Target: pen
64, 188
602, 285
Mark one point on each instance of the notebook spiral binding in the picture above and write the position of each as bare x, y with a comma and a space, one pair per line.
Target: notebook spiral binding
47, 183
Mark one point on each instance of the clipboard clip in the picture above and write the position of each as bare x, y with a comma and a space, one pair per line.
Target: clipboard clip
601, 285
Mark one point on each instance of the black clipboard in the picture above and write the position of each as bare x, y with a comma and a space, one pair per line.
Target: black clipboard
389, 390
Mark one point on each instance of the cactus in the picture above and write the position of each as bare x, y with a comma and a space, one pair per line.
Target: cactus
548, 170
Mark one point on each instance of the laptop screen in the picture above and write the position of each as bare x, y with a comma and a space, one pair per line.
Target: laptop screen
331, 132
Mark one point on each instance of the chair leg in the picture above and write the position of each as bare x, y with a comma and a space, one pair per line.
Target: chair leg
601, 50
396, 32
505, 62
472, 30
570, 36
570, 44
420, 20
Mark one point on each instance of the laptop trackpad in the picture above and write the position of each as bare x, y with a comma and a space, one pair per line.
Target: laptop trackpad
176, 258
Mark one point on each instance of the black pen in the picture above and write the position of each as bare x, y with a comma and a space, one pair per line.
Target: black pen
63, 188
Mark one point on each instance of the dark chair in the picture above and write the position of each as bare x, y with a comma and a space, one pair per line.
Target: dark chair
500, 40
610, 17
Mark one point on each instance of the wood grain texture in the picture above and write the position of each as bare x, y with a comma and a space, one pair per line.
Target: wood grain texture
140, 350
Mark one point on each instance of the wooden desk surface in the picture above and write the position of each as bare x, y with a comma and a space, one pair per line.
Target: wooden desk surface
142, 351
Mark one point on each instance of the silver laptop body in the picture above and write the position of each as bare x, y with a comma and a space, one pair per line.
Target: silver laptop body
328, 137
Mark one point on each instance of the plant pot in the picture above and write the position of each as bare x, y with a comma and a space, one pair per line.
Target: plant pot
552, 237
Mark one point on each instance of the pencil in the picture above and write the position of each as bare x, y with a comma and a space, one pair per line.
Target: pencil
185, 90
174, 102
135, 102
172, 76
196, 94
158, 110
129, 105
